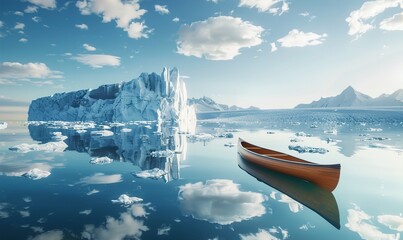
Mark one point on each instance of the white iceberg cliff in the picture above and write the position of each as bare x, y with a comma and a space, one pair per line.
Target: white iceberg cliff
36, 174
150, 97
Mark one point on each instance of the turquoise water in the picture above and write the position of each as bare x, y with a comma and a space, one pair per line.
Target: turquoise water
205, 193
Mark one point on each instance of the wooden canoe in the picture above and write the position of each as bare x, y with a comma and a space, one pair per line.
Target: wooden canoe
310, 195
325, 176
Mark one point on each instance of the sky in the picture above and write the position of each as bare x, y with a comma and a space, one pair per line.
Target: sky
266, 53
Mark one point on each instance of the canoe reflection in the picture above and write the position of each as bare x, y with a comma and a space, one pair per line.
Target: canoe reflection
310, 195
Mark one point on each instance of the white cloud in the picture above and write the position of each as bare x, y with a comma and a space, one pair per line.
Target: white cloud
101, 178
161, 9
24, 213
175, 19
18, 13
53, 235
1, 24
273, 47
123, 13
293, 205
218, 38
19, 26
296, 38
360, 222
36, 19
214, 1
394, 222
48, 4
97, 60
269, 6
357, 21
92, 192
260, 235
89, 47
126, 226
220, 201
18, 71
31, 9
23, 40
82, 26
394, 23
86, 212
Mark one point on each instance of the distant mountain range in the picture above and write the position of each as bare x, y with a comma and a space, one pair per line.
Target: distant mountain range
352, 98
206, 104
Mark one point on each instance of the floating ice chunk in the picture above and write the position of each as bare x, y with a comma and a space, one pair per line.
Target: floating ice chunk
331, 131
296, 140
302, 134
126, 130
3, 125
229, 145
201, 137
305, 149
155, 173
101, 160
47, 147
57, 136
102, 133
126, 200
36, 174
373, 129
163, 153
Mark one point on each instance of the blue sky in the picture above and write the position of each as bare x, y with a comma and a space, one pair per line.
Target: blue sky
266, 53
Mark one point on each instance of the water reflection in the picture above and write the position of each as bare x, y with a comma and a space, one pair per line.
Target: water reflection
220, 201
143, 144
319, 200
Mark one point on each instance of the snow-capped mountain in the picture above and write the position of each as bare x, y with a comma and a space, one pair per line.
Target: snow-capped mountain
148, 97
352, 98
206, 104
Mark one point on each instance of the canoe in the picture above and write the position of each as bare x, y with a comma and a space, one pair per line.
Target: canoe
324, 175
308, 194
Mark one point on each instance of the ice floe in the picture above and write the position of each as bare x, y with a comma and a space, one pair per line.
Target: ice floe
3, 125
102, 133
126, 200
36, 174
306, 149
101, 160
57, 137
155, 173
46, 147
200, 137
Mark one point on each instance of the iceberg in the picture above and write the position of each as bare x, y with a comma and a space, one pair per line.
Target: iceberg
36, 174
126, 200
150, 97
101, 160
3, 125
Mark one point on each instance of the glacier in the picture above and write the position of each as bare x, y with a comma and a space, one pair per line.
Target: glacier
150, 97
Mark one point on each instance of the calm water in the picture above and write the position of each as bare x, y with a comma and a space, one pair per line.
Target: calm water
205, 193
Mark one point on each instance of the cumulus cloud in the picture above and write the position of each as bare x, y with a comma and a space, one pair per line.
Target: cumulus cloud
10, 71
36, 19
260, 235
31, 9
296, 38
18, 13
123, 13
394, 222
394, 23
273, 47
360, 222
270, 6
97, 60
23, 40
19, 26
54, 235
47, 4
161, 9
86, 212
89, 47
126, 226
359, 21
218, 38
82, 26
293, 205
163, 230
101, 178
220, 201
175, 19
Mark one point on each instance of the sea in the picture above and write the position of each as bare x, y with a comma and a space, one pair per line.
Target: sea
141, 180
